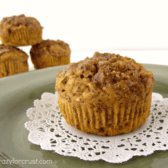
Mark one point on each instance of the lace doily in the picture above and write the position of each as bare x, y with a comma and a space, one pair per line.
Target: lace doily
49, 129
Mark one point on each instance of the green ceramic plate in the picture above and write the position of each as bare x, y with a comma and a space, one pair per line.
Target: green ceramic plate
17, 94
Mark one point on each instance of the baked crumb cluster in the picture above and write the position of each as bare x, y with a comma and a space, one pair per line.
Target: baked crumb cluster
103, 73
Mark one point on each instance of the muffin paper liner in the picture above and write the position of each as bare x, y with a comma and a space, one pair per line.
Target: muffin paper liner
50, 60
121, 118
48, 128
8, 68
23, 37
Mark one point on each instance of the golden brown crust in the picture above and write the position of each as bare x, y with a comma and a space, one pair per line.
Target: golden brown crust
12, 61
106, 95
50, 53
20, 31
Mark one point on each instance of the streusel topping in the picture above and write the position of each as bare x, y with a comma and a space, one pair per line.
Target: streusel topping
108, 74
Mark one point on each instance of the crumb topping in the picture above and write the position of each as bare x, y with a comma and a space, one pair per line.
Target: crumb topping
110, 74
9, 52
8, 24
50, 47
4, 49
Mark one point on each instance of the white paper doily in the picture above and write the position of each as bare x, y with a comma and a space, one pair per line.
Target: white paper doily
49, 129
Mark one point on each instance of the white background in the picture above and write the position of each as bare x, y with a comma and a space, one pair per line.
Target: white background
136, 28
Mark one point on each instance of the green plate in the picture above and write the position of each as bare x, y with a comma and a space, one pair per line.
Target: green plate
17, 94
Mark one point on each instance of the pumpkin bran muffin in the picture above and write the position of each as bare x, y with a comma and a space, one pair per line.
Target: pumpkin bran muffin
106, 95
20, 31
12, 61
50, 53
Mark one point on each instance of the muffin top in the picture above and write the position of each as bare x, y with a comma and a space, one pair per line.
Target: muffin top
104, 75
48, 47
10, 24
12, 53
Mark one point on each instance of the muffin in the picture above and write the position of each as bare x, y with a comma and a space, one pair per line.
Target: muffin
105, 95
50, 53
12, 61
20, 31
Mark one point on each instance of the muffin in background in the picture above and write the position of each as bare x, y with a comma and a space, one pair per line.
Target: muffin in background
50, 53
105, 95
20, 31
12, 61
